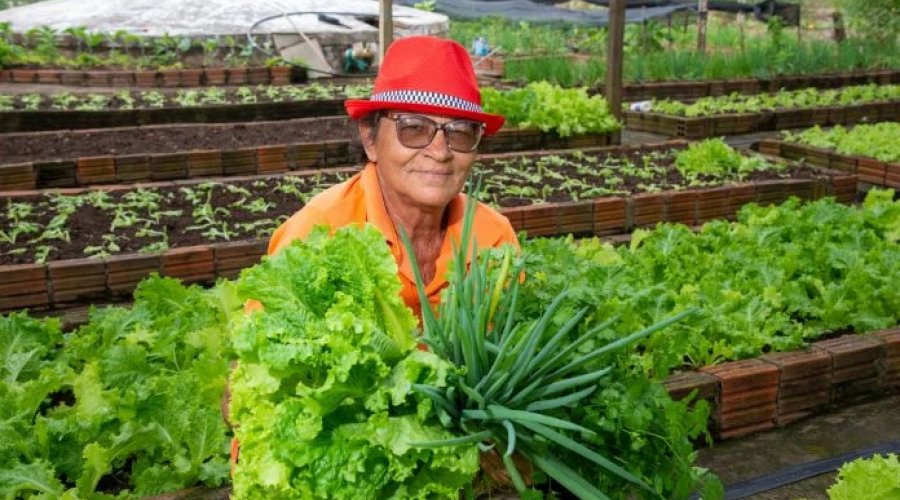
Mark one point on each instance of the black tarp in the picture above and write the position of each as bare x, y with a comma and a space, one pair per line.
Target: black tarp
762, 10
526, 10
636, 10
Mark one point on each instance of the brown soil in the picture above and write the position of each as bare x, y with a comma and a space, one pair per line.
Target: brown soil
71, 144
176, 215
608, 175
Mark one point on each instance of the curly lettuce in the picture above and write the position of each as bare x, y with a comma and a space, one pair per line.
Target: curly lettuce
321, 397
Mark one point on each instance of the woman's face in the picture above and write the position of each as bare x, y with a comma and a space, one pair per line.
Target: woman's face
428, 178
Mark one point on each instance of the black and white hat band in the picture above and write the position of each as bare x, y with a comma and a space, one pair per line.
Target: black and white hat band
429, 98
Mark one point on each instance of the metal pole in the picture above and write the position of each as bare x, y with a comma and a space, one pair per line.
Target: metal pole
385, 27
701, 26
615, 42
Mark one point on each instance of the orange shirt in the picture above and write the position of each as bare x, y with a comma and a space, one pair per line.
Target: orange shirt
358, 200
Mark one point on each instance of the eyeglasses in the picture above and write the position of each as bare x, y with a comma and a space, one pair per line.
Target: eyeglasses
417, 132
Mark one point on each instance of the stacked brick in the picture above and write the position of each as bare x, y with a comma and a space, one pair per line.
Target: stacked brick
753, 395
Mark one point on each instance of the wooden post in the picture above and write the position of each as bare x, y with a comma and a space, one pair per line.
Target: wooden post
840, 33
642, 45
385, 27
701, 25
671, 38
740, 19
614, 53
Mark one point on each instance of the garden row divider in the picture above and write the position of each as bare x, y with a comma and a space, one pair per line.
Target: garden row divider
39, 120
189, 77
777, 389
707, 88
869, 170
745, 123
59, 284
88, 171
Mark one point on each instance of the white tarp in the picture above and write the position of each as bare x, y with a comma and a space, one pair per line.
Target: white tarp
215, 17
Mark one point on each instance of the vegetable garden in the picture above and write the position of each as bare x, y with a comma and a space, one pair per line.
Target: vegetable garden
669, 294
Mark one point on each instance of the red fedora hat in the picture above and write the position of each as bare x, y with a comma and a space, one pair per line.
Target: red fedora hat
428, 75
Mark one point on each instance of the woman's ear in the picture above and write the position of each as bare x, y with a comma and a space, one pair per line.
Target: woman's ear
367, 139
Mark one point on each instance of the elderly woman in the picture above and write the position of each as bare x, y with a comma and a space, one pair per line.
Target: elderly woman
420, 129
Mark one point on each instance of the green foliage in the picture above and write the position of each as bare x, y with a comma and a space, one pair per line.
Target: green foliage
876, 478
325, 392
879, 140
875, 19
796, 99
556, 69
426, 5
129, 399
758, 60
550, 107
778, 278
514, 38
322, 395
714, 157
186, 98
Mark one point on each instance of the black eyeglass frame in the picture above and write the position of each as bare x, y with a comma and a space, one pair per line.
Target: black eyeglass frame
437, 126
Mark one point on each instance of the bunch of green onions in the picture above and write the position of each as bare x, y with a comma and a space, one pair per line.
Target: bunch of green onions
512, 375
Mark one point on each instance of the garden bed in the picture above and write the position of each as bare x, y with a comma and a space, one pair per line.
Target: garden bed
705, 88
29, 121
869, 170
77, 158
200, 230
777, 389
776, 303
745, 123
191, 77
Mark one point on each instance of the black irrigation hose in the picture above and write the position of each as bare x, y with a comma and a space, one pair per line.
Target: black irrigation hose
800, 472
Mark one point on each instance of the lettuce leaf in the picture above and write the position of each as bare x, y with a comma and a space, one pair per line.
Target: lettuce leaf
876, 478
321, 397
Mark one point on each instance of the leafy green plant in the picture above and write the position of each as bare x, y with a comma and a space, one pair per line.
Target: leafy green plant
551, 108
426, 5
32, 101
770, 282
133, 395
17, 215
877, 140
321, 397
210, 50
875, 478
715, 157
45, 42
804, 98
153, 99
